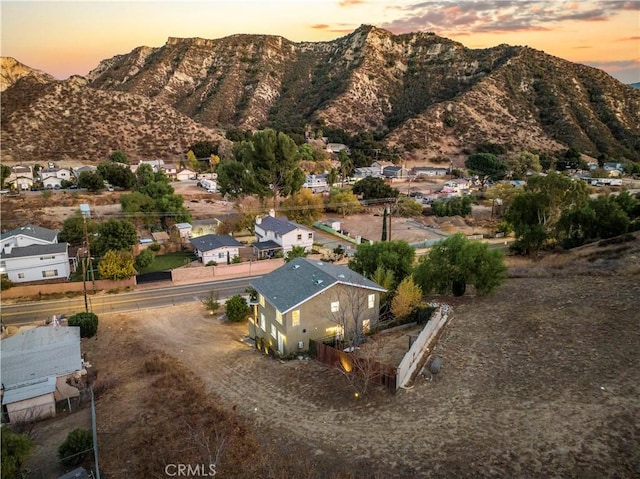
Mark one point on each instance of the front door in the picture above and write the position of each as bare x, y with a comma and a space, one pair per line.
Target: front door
280, 343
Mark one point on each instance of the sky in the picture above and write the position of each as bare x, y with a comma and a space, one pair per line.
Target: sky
72, 37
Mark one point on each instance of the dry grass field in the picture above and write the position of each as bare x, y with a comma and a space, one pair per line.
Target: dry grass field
541, 379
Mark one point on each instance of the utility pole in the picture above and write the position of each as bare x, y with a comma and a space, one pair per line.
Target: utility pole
86, 212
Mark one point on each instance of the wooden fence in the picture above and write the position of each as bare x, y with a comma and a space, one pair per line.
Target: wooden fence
376, 371
423, 344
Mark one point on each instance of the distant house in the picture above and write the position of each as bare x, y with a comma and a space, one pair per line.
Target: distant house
419, 171
279, 234
170, 170
337, 148
457, 185
60, 173
613, 169
20, 178
306, 299
184, 230
52, 182
366, 172
156, 165
160, 237
85, 168
32, 253
395, 172
35, 367
186, 174
317, 183
217, 248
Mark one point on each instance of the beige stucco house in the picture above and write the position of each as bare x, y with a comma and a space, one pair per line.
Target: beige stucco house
306, 299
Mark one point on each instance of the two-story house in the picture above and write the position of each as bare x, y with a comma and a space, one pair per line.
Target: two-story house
21, 178
32, 253
306, 299
279, 234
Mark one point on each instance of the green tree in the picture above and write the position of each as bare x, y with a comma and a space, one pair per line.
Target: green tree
204, 148
15, 449
115, 234
303, 207
116, 265
73, 229
534, 212
140, 207
374, 188
144, 259
384, 225
407, 208
395, 256
407, 298
519, 164
119, 156
5, 171
192, 160
346, 166
236, 308
452, 206
91, 180
343, 202
211, 302
456, 262
295, 252
77, 445
486, 166
144, 175
117, 174
88, 323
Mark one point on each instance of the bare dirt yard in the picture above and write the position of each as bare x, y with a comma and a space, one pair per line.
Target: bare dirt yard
541, 379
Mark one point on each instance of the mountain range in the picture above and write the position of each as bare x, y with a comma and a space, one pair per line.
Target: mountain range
418, 92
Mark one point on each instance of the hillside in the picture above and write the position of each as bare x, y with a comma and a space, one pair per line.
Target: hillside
417, 91
11, 70
66, 120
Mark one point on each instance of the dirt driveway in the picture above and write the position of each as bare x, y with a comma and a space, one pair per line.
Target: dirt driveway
540, 380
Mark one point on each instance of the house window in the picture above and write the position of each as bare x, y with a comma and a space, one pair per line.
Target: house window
366, 326
310, 235
221, 255
371, 300
274, 331
299, 237
279, 316
20, 275
295, 318
335, 306
262, 326
261, 300
50, 273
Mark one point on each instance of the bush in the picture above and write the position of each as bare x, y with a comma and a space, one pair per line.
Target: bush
75, 447
15, 449
145, 258
237, 308
88, 323
5, 283
211, 302
155, 247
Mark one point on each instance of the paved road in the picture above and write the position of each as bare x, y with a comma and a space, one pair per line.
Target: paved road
142, 299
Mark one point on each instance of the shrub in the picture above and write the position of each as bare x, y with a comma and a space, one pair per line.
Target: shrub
211, 263
237, 308
75, 447
5, 283
88, 323
211, 302
145, 258
155, 247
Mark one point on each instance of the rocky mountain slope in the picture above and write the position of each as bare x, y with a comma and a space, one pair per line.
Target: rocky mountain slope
417, 91
11, 70
67, 120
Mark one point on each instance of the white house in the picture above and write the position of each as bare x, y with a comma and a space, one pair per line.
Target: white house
156, 165
280, 234
52, 182
186, 174
184, 230
60, 173
458, 185
32, 253
317, 183
35, 367
21, 178
217, 248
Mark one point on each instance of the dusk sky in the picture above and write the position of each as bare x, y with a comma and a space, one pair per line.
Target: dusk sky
66, 38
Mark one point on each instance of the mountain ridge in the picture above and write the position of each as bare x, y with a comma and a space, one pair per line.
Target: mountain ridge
416, 91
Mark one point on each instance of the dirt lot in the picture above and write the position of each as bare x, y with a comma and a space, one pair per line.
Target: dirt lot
540, 380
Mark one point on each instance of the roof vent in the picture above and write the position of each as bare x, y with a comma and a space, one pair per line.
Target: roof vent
319, 281
296, 266
341, 275
320, 263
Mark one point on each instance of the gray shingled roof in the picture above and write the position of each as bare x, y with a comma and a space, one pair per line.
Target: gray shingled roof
301, 279
32, 230
266, 245
280, 226
211, 242
30, 356
35, 250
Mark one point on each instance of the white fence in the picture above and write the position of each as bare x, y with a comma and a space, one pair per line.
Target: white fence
423, 344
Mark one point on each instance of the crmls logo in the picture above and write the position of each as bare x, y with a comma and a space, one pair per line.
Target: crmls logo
190, 470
